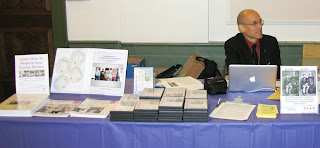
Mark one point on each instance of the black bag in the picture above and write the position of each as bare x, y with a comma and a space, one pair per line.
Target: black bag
215, 85
210, 70
171, 72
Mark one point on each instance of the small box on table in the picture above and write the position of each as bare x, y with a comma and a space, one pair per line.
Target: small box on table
132, 63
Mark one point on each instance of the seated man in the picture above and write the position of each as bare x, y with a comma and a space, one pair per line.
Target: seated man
250, 46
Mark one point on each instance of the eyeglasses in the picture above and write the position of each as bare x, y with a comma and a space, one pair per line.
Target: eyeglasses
255, 24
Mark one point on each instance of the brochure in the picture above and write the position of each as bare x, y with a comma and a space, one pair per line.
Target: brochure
92, 108
32, 74
143, 78
57, 108
90, 71
299, 90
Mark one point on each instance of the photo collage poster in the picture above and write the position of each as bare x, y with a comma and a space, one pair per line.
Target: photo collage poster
299, 93
90, 71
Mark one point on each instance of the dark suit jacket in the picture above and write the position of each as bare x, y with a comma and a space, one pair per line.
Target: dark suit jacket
238, 52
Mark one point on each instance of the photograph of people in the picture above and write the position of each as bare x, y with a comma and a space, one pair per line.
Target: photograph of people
97, 73
290, 83
307, 83
250, 46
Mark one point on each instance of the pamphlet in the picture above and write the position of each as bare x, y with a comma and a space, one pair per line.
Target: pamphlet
143, 78
32, 74
299, 90
57, 108
90, 71
92, 108
267, 111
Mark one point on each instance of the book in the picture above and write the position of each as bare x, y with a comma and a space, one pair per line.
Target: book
57, 108
23, 105
196, 94
91, 108
89, 71
151, 93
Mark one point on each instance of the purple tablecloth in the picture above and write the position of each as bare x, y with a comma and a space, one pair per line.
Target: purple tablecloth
286, 131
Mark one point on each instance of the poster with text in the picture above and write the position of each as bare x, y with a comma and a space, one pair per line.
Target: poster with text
299, 90
32, 74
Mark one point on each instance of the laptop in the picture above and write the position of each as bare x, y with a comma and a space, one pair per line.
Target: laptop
252, 78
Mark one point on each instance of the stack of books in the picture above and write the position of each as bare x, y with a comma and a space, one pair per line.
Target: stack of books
146, 110
171, 105
267, 111
171, 109
123, 110
23, 105
195, 110
196, 106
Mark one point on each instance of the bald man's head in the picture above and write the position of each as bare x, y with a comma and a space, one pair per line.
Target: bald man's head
250, 25
243, 16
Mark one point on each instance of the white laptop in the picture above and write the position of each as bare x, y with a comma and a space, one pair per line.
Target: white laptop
252, 78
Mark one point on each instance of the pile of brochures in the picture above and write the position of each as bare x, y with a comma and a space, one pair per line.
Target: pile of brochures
267, 111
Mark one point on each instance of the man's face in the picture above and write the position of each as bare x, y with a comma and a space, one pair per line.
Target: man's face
250, 31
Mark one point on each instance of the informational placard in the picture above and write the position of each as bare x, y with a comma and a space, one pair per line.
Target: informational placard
90, 71
143, 78
299, 90
32, 74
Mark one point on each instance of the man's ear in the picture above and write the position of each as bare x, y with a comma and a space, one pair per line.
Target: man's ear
241, 28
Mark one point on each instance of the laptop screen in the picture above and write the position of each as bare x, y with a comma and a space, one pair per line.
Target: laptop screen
252, 78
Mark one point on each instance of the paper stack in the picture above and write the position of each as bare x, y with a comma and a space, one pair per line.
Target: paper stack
267, 111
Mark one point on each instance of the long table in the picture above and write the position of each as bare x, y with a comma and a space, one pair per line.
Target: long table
286, 131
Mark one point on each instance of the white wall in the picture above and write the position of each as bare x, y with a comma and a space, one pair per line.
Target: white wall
288, 20
187, 20
138, 20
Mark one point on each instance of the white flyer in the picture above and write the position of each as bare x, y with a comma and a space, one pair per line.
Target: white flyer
299, 90
32, 74
90, 71
143, 78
